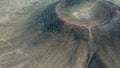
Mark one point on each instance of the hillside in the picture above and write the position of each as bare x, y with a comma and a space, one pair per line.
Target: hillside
34, 35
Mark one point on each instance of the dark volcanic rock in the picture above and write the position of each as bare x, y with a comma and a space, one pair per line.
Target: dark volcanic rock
48, 41
62, 45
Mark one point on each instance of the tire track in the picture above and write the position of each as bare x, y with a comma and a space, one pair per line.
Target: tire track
19, 51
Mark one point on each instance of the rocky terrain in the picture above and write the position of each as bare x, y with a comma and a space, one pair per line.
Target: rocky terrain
32, 35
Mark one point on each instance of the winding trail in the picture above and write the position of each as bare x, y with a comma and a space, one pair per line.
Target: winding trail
92, 46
